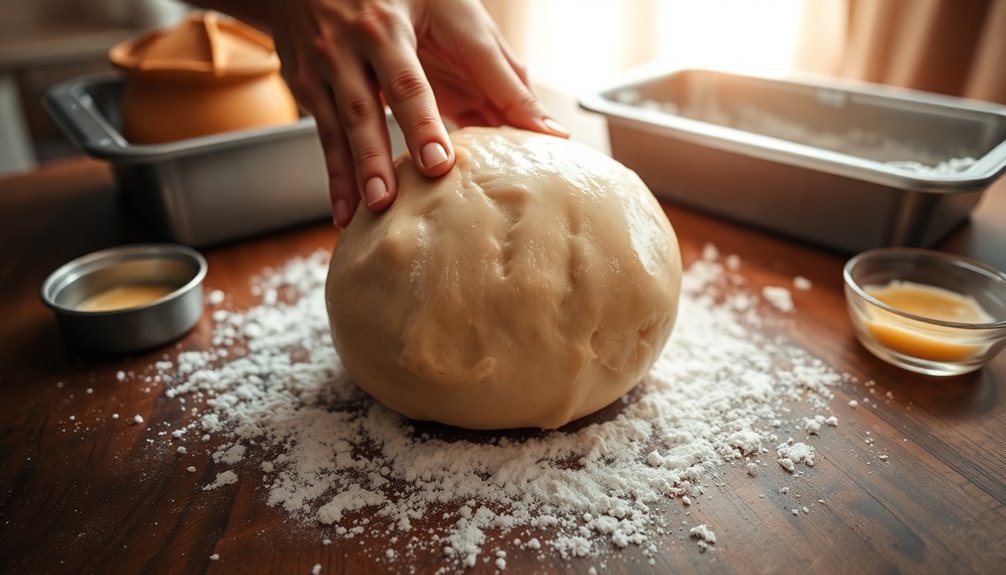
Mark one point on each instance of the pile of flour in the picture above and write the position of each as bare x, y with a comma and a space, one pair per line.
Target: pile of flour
272, 393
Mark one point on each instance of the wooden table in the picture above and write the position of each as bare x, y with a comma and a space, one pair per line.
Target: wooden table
85, 495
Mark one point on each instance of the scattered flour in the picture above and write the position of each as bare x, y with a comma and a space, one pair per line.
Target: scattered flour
215, 297
779, 297
333, 458
705, 536
948, 166
223, 478
792, 453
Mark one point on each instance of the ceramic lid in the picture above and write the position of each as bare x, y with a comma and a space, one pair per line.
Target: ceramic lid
204, 44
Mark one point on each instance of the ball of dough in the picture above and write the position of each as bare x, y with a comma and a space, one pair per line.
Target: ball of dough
533, 284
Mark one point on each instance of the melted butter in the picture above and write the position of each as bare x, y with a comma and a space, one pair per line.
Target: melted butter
930, 302
122, 297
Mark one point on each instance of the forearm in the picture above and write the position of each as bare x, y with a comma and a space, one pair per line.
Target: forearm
254, 12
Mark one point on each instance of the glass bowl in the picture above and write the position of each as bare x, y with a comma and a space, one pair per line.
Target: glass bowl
927, 311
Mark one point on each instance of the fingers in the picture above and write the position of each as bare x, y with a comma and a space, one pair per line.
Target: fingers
506, 88
342, 186
467, 107
299, 68
408, 93
361, 115
362, 67
348, 56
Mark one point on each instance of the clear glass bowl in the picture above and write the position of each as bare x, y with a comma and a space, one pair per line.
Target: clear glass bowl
914, 341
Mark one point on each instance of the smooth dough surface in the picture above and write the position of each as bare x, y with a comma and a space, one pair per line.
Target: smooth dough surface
533, 284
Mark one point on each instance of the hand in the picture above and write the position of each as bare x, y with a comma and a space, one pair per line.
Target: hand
345, 58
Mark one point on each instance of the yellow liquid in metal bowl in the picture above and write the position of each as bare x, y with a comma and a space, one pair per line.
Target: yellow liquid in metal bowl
127, 296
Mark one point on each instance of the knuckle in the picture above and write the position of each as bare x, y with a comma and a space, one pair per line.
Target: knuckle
330, 139
366, 154
328, 43
406, 85
378, 22
358, 111
419, 125
323, 44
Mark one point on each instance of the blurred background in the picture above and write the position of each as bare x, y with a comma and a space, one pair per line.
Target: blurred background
955, 47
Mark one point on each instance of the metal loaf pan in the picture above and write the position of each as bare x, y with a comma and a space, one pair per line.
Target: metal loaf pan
205, 190
850, 166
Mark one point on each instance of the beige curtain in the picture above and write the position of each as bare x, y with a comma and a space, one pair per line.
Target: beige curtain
955, 47
947, 46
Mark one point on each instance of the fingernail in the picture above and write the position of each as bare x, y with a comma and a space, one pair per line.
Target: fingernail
433, 154
374, 191
555, 126
341, 215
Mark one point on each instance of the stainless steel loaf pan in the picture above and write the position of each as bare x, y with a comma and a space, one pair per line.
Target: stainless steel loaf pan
846, 165
206, 190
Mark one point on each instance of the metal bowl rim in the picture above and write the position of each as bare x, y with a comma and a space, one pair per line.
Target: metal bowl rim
56, 281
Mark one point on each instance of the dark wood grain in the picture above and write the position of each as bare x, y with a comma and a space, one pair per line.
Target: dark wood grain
93, 495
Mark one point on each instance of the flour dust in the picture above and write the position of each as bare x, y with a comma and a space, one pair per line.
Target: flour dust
271, 393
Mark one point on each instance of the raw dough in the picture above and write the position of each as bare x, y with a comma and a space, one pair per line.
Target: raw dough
533, 284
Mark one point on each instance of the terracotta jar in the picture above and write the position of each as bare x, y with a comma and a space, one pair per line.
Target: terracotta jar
205, 76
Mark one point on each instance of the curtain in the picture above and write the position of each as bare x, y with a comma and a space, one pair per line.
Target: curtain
945, 46
955, 47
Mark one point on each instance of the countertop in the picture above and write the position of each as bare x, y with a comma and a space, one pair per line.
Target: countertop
912, 480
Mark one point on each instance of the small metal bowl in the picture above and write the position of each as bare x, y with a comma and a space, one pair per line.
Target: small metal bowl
921, 341
138, 326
